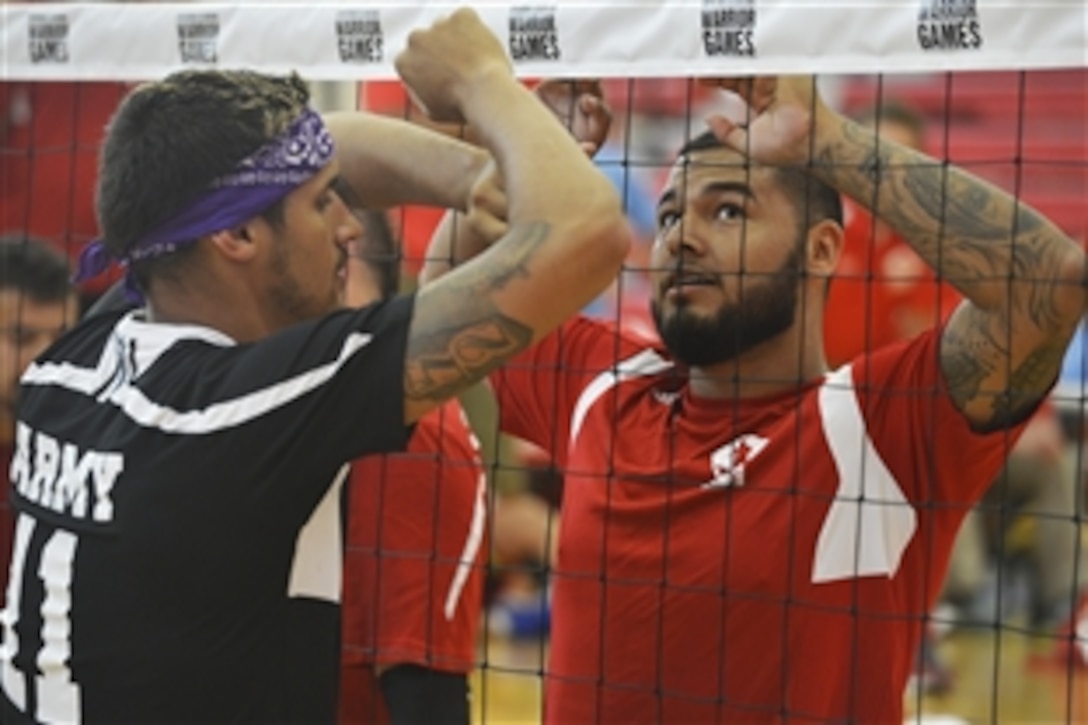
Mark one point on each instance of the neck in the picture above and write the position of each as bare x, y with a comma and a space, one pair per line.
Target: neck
776, 366
220, 307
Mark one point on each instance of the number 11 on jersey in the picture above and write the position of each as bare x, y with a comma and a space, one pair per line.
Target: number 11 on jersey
57, 697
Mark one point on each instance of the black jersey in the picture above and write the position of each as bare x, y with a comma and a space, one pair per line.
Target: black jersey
177, 553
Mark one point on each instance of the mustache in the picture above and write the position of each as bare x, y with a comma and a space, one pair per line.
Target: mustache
690, 275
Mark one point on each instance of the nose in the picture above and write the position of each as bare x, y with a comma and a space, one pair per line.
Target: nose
348, 228
683, 238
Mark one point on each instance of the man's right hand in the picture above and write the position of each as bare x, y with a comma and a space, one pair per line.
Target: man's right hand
443, 65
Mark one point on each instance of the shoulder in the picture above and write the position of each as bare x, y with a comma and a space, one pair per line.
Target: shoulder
83, 343
608, 341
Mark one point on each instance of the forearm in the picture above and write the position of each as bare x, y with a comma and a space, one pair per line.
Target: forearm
565, 235
996, 251
549, 178
1023, 279
441, 254
458, 238
389, 162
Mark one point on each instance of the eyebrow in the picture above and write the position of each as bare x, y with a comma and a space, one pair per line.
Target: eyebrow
344, 190
335, 183
712, 187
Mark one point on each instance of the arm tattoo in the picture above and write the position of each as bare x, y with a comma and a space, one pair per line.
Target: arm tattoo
964, 228
966, 365
450, 360
458, 333
978, 371
1027, 384
1008, 261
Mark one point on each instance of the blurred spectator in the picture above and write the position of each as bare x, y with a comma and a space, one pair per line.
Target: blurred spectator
49, 138
416, 540
1025, 525
37, 304
524, 532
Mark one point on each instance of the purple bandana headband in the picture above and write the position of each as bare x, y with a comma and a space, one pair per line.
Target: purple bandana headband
259, 181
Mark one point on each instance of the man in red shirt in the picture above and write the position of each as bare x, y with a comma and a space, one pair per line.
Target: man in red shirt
37, 304
416, 545
747, 536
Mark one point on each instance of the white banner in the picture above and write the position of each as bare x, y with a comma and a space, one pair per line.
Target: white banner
651, 38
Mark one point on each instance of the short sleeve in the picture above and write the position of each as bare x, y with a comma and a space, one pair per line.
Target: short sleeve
538, 390
328, 390
922, 437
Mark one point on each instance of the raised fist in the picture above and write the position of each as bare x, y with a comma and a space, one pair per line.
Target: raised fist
445, 63
776, 121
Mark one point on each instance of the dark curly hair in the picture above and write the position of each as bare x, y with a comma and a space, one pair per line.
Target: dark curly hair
169, 139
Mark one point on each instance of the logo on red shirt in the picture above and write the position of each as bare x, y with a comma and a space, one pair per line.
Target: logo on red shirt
727, 464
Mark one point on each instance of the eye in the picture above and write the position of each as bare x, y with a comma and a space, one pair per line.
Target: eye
21, 336
666, 219
729, 212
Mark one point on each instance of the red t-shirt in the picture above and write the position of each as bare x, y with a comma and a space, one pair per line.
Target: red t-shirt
49, 139
714, 562
413, 572
882, 292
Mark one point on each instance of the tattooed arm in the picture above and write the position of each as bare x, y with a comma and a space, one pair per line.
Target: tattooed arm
566, 235
1022, 279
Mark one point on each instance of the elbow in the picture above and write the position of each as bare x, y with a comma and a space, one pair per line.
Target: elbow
608, 231
1071, 291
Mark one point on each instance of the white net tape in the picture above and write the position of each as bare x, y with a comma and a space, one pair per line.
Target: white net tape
340, 41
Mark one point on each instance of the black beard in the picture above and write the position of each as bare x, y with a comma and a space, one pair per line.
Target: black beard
766, 310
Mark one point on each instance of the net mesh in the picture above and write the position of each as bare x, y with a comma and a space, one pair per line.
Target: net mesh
1004, 639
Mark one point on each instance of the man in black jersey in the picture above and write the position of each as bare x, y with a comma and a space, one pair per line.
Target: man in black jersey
177, 468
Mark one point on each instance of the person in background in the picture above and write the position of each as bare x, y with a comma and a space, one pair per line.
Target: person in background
416, 547
37, 304
49, 138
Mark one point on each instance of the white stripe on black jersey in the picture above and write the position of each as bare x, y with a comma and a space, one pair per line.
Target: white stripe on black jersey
168, 480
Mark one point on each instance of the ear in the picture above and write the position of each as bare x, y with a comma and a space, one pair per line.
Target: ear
823, 247
236, 245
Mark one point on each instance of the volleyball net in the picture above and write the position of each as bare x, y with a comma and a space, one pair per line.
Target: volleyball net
990, 85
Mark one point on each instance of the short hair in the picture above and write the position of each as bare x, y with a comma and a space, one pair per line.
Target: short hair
34, 268
169, 139
895, 112
814, 199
